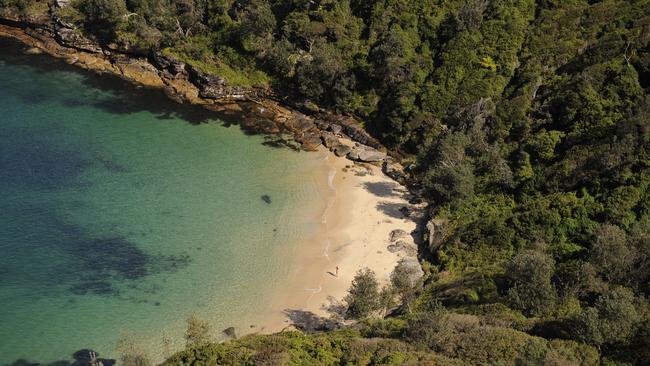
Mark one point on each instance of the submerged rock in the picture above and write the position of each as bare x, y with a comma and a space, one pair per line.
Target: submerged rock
266, 198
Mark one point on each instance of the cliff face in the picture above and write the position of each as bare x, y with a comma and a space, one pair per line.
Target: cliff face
258, 108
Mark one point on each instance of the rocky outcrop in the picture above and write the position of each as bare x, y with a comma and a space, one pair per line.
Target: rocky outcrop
435, 233
348, 126
342, 150
395, 171
409, 250
72, 38
366, 154
185, 83
62, 3
397, 234
170, 66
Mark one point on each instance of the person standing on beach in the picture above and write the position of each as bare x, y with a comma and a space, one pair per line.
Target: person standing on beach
337, 271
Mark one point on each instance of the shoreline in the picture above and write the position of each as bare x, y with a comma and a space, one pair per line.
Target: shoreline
363, 209
257, 109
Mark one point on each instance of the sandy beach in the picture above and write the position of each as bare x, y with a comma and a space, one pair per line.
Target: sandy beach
363, 209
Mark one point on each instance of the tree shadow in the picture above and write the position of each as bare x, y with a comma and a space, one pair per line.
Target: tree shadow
80, 358
392, 209
460, 291
335, 308
381, 189
310, 322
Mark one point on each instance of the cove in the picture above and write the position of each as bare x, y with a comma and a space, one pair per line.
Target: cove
121, 214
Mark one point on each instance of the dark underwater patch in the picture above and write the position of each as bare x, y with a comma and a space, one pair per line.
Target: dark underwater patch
49, 255
35, 163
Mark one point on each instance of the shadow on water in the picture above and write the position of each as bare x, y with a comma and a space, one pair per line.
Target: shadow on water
125, 97
83, 357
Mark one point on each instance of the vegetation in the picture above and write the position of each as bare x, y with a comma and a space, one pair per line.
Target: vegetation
197, 332
527, 123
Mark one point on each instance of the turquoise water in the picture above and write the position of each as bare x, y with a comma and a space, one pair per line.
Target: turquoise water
122, 214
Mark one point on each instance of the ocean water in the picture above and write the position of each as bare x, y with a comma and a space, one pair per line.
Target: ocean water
121, 214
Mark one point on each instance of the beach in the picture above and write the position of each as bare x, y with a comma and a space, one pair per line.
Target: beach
350, 210
363, 208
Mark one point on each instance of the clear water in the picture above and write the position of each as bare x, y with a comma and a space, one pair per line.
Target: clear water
122, 214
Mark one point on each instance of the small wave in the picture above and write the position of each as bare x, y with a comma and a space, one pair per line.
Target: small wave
327, 249
330, 179
330, 203
314, 290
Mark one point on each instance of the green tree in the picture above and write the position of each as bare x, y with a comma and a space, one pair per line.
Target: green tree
363, 296
532, 291
405, 280
613, 320
102, 17
611, 254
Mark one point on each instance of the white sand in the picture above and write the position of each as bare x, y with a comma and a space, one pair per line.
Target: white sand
363, 209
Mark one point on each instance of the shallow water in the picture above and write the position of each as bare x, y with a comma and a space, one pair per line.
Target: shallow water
122, 214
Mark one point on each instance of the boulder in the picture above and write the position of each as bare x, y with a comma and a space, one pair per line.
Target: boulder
299, 123
366, 154
172, 66
395, 171
395, 247
402, 246
259, 125
435, 233
336, 129
330, 141
210, 86
230, 332
396, 234
325, 126
309, 141
202, 79
342, 150
62, 3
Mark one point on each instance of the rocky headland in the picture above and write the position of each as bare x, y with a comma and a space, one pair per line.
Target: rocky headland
298, 124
